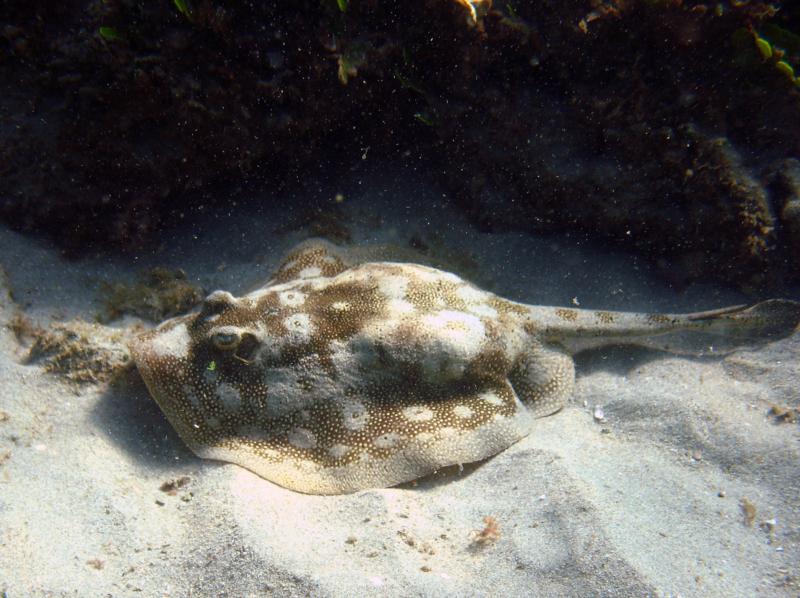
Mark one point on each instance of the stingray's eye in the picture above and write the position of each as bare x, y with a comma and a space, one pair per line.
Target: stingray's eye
225, 341
246, 351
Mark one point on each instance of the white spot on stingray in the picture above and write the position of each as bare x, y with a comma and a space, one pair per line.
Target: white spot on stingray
417, 413
337, 451
470, 294
229, 397
310, 272
341, 355
424, 437
399, 307
354, 415
340, 306
426, 274
388, 440
393, 286
492, 399
302, 438
380, 330
291, 298
315, 284
171, 343
463, 411
299, 325
450, 277
463, 332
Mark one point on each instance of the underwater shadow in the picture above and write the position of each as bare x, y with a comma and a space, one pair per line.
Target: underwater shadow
623, 359
443, 476
131, 420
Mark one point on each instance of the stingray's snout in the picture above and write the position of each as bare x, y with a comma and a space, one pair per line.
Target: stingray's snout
162, 354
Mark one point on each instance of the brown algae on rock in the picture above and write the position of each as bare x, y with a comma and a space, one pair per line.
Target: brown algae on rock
158, 294
80, 351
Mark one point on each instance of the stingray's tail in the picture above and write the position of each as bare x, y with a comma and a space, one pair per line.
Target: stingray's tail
768, 320
700, 332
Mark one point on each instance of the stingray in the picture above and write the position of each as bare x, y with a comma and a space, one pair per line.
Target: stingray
336, 377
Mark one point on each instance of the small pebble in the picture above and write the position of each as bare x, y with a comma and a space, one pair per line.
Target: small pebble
599, 415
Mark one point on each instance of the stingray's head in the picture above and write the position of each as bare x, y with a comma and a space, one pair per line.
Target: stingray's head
200, 367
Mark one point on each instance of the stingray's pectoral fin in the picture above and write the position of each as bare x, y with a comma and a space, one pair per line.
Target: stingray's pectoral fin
544, 378
396, 438
768, 320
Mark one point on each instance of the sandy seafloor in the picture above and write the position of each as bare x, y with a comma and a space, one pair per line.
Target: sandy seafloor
647, 503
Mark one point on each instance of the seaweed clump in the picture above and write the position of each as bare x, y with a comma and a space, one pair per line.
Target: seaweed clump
785, 190
80, 351
159, 293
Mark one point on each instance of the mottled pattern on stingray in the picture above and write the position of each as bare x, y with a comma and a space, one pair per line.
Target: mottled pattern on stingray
333, 378
310, 260
402, 437
374, 422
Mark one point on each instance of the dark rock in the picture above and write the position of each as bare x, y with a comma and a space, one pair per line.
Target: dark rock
653, 126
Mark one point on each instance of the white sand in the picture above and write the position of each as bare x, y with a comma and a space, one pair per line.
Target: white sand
645, 504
